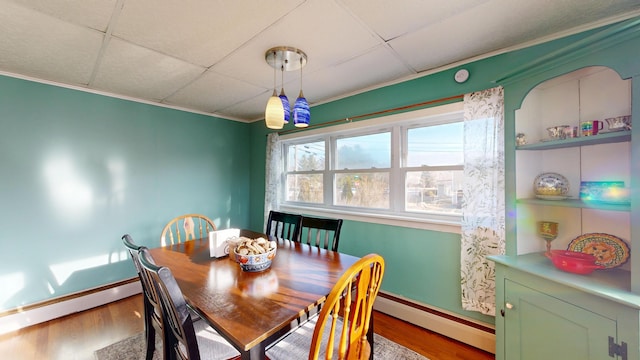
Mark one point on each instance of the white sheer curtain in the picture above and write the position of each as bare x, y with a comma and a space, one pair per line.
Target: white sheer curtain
483, 209
273, 173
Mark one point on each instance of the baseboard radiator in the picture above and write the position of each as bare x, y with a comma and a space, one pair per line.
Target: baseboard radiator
33, 314
467, 331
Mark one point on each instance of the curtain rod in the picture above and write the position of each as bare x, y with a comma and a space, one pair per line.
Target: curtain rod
362, 116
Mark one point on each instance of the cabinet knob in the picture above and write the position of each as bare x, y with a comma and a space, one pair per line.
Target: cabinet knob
509, 305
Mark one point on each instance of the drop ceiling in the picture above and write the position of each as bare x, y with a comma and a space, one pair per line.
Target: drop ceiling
208, 56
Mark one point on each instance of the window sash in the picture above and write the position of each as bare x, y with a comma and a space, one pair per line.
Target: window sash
397, 172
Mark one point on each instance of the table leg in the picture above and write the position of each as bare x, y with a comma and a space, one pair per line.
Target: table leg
255, 353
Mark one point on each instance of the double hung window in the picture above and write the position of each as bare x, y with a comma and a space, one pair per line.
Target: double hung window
406, 169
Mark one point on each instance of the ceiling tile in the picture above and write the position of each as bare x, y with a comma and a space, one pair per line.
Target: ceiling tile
363, 72
139, 72
198, 31
390, 19
464, 37
320, 28
90, 13
252, 109
213, 92
39, 45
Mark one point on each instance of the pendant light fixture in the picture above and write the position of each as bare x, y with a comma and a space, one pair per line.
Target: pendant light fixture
284, 58
301, 113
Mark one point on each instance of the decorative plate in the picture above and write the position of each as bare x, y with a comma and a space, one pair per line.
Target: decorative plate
610, 251
551, 184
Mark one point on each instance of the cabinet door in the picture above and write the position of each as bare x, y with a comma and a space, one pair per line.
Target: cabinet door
539, 326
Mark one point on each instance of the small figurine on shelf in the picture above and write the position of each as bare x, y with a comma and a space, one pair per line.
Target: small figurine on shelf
521, 139
548, 230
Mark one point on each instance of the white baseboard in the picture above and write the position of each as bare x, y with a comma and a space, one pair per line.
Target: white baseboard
36, 315
467, 334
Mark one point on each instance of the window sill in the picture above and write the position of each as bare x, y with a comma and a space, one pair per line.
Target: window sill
386, 219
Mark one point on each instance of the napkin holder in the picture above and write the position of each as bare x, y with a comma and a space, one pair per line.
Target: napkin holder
218, 245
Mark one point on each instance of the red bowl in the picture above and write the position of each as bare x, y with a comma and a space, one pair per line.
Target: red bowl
574, 261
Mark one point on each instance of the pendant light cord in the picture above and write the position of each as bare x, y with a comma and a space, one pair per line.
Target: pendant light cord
300, 75
274, 75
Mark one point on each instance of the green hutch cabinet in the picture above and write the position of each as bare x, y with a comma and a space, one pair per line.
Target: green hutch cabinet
543, 312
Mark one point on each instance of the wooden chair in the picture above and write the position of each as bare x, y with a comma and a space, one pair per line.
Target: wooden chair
323, 233
284, 226
153, 322
340, 330
188, 226
184, 339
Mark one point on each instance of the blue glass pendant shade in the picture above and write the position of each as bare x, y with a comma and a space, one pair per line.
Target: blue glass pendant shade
286, 106
301, 113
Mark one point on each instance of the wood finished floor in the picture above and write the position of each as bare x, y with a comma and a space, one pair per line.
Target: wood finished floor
77, 336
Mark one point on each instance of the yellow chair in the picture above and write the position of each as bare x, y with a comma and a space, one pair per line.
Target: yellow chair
188, 226
340, 330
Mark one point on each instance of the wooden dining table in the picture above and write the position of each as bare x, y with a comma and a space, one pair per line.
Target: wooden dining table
253, 309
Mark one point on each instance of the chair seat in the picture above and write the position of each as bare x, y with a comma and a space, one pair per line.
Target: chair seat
296, 344
211, 344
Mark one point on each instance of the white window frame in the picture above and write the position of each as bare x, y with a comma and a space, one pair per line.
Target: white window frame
429, 116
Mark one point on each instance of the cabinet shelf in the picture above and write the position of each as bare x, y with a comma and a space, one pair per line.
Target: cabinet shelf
603, 138
571, 203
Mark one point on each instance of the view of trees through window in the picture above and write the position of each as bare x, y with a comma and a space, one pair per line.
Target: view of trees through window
305, 163
439, 191
421, 173
361, 160
438, 149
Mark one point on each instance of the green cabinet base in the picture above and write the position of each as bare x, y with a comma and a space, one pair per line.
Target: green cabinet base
543, 327
539, 318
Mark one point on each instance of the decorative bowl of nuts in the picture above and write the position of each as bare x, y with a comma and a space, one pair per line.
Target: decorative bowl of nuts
255, 255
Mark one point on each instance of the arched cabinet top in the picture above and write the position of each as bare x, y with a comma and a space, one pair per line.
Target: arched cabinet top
612, 47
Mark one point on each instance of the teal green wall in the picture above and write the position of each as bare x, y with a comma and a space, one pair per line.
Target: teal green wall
420, 265
135, 166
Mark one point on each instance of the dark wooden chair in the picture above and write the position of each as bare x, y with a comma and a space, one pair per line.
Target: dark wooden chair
339, 331
323, 233
284, 225
184, 339
151, 304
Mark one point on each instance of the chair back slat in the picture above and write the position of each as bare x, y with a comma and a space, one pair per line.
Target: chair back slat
188, 226
320, 232
351, 299
284, 225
